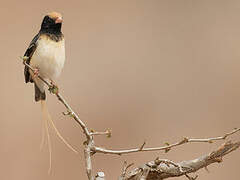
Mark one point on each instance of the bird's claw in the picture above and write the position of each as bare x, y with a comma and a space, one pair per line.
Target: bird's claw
35, 73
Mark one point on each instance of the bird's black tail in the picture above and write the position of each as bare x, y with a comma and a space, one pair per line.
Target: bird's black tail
38, 94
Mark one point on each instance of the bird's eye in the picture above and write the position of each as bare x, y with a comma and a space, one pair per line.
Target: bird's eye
48, 23
48, 20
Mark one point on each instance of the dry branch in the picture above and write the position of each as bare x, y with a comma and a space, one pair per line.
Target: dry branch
167, 147
158, 169
89, 138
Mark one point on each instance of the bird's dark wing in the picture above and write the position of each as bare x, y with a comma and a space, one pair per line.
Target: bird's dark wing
29, 52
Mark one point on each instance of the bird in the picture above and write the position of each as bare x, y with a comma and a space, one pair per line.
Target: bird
46, 55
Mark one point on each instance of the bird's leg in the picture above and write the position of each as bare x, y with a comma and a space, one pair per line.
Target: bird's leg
54, 88
35, 73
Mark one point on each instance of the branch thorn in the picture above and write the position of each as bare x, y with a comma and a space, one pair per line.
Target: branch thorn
141, 148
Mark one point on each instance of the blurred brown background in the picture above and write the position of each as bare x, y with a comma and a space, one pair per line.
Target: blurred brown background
148, 70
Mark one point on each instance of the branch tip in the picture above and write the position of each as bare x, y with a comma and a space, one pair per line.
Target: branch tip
109, 133
142, 146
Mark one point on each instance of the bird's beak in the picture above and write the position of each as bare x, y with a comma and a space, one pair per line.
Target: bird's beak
59, 20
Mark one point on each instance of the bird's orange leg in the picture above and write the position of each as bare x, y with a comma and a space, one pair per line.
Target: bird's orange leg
35, 73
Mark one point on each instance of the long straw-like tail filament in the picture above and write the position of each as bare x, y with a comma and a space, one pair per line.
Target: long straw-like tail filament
47, 123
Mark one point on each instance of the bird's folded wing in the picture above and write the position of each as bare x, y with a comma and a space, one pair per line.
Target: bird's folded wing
29, 52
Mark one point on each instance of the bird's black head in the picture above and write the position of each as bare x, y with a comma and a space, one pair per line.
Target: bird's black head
52, 23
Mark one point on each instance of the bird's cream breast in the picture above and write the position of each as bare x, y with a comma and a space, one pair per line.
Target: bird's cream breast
49, 57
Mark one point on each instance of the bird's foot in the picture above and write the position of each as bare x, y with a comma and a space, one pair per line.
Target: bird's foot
35, 73
53, 88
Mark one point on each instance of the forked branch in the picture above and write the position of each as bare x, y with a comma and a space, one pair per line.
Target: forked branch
158, 169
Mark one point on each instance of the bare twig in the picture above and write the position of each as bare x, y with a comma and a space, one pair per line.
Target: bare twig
167, 147
60, 98
108, 133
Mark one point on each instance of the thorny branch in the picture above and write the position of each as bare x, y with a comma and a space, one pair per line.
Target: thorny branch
166, 168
